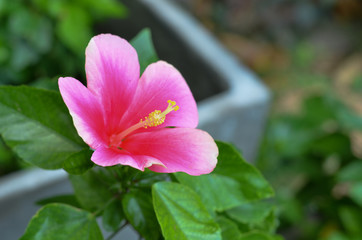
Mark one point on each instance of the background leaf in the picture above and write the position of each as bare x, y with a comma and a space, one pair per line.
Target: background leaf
351, 172
145, 49
213, 188
65, 199
59, 221
112, 216
91, 192
229, 229
258, 236
75, 36
356, 192
138, 209
37, 126
78, 163
231, 164
251, 213
351, 218
105, 8
181, 214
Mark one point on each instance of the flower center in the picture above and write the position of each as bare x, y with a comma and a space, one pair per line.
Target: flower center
154, 119
157, 117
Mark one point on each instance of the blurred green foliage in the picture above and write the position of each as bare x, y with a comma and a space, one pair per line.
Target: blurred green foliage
309, 53
357, 84
318, 178
311, 157
41, 39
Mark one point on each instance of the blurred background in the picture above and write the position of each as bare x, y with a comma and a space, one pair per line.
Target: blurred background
308, 52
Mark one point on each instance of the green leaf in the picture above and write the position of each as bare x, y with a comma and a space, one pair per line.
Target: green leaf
213, 188
91, 192
352, 219
8, 162
145, 49
52, 8
3, 7
147, 178
258, 236
75, 36
270, 223
231, 164
348, 119
229, 229
255, 216
317, 110
232, 177
351, 172
36, 125
59, 221
46, 83
105, 8
251, 213
79, 163
355, 193
336, 143
337, 236
181, 213
113, 216
66, 199
138, 209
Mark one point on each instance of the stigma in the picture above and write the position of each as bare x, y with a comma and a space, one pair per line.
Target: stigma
153, 119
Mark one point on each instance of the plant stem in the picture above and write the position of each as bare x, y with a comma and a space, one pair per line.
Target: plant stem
117, 231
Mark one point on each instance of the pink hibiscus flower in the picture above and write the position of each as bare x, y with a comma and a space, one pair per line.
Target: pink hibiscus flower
127, 120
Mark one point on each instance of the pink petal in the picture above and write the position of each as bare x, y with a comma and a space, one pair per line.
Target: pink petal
112, 70
105, 156
179, 149
161, 82
85, 109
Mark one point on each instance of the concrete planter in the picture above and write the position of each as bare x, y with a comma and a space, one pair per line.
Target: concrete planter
232, 102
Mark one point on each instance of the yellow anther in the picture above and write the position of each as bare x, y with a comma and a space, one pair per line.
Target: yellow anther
154, 119
157, 117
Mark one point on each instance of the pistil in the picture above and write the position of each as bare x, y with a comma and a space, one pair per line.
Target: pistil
154, 119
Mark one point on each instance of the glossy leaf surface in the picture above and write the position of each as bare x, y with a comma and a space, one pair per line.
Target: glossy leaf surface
181, 213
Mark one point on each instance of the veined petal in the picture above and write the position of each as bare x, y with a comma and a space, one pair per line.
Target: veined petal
161, 82
112, 70
179, 149
85, 110
105, 156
